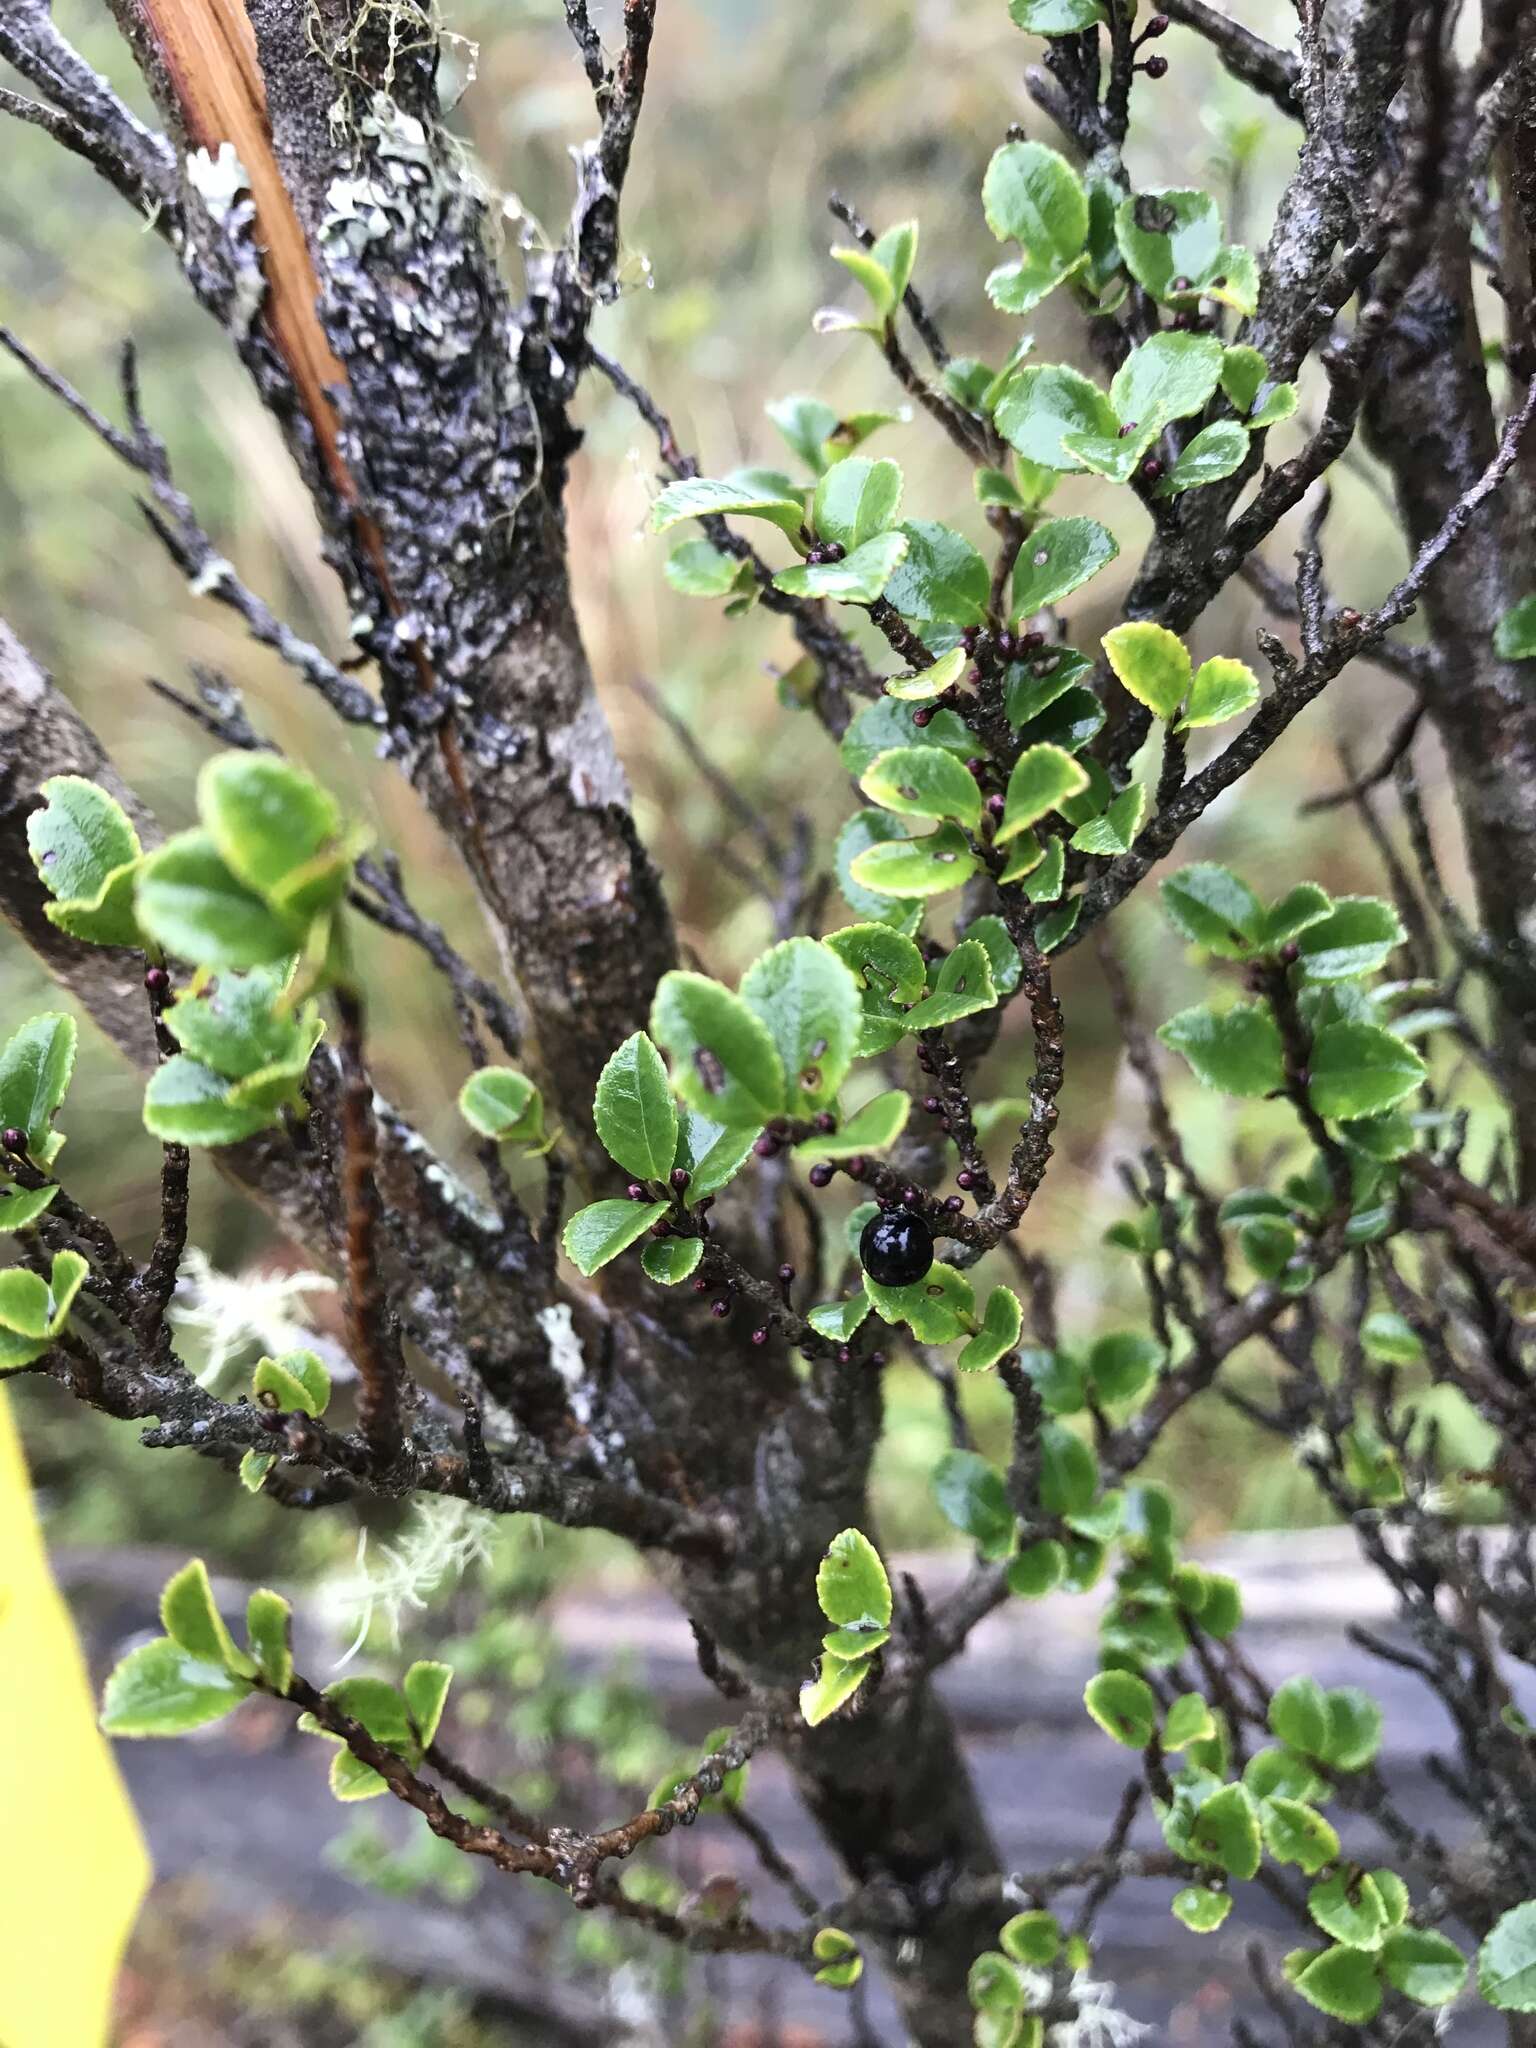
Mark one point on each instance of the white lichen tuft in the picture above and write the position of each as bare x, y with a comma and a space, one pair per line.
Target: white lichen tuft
440, 1542
228, 1313
1099, 2022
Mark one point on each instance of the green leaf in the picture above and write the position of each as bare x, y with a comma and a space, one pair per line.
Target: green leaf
963, 986
191, 1619
20, 1207
1201, 1911
1123, 1364
602, 1230
1361, 1069
1055, 17
1355, 938
161, 1689
839, 1955
928, 683
1033, 1939
995, 1990
253, 1469
1057, 558
1042, 779
351, 1779
1037, 1570
1425, 1966
1514, 639
1044, 401
503, 1104
860, 263
1298, 1715
268, 1625
1292, 913
1354, 1729
1188, 1720
1069, 1471
1058, 924
190, 902
1002, 954
855, 501
851, 1585
1341, 1982
1214, 908
1172, 245
1237, 1050
633, 1110
1114, 830
870, 1129
1349, 1908
710, 1153
724, 1061
35, 1069
886, 723
1032, 196
1506, 1961
837, 1320
696, 568
806, 424
698, 497
1243, 371
425, 1686
1044, 885
86, 851
187, 1103
923, 782
238, 1025
916, 867
942, 577
1222, 689
999, 1333
881, 960
1276, 1773
276, 830
837, 1683
1058, 1379
1297, 1833
1280, 403
1225, 1831
933, 1308
299, 1380
1168, 377
808, 1002
1217, 451
858, 578
1124, 1707
972, 1496
1153, 665
1390, 1338
670, 1260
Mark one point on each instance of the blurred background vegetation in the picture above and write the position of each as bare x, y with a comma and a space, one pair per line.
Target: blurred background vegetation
758, 110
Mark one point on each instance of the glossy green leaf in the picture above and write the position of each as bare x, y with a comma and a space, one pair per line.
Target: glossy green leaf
268, 1634
502, 1104
425, 1686
856, 500
1506, 1961
253, 1469
1168, 376
1360, 1070
602, 1230
1058, 924
1201, 1911
634, 1112
1390, 1339
1424, 1965
1124, 1707
925, 684
932, 1308
923, 782
1217, 451
1221, 689
851, 1585
858, 578
972, 1496
187, 1103
1237, 1050
808, 1003
1279, 403
710, 1154
1055, 17
36, 1064
1172, 245
837, 1320
962, 986
1514, 639
189, 901
1057, 558
1044, 401
916, 867
1069, 1471
1354, 1729
1032, 196
1341, 1982
870, 1129
190, 1617
86, 851
1357, 937
887, 723
696, 568
162, 1689
725, 1063
1297, 1833
1033, 1939
1188, 1720
1114, 830
1123, 1364
20, 1207
1350, 1909
1298, 1715
1001, 1323
836, 1684
1153, 665
1225, 1831
942, 576
1041, 780
1037, 1570
1043, 885
298, 1381
1214, 908
276, 830
700, 497
670, 1260
881, 960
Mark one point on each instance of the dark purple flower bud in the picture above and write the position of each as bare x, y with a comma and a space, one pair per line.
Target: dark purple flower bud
820, 1174
760, 1336
965, 1178
680, 1178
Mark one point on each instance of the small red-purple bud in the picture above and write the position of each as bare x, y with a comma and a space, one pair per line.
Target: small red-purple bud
824, 1121
720, 1306
1151, 469
911, 1196
856, 1167
877, 1358
965, 1178
700, 1285
760, 1336
158, 982
661, 1227
1156, 67
636, 1193
767, 1146
932, 1104
786, 1273
844, 1355
1031, 642
1157, 26
922, 715
680, 1178
954, 1203
820, 1174
14, 1140
996, 805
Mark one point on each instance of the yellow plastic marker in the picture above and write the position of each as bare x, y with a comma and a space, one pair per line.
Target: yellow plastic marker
73, 1865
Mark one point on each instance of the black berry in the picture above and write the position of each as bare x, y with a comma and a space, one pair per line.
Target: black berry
1156, 67
965, 1178
1151, 469
820, 1175
896, 1249
157, 982
786, 1273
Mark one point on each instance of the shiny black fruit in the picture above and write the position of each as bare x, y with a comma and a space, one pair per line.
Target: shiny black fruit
896, 1248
